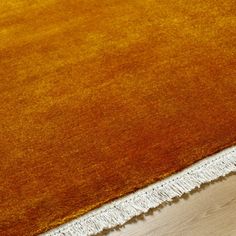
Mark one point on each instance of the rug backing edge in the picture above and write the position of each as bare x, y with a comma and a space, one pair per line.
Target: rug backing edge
125, 208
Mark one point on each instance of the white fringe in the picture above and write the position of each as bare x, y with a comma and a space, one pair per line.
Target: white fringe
120, 211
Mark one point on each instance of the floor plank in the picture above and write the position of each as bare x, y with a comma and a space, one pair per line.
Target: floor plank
205, 212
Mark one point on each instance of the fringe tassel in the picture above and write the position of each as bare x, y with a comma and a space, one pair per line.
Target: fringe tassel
120, 211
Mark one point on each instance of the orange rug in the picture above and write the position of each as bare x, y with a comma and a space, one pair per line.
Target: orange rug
101, 98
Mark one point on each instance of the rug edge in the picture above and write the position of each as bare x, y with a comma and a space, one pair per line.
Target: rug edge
125, 208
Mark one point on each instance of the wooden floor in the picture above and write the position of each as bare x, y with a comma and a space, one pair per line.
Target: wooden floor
210, 211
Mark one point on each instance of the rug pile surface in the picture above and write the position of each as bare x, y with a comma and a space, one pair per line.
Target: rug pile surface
101, 98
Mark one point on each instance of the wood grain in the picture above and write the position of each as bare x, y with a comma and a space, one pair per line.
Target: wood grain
208, 211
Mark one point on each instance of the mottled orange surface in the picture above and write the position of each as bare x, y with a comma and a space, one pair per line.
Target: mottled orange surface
101, 97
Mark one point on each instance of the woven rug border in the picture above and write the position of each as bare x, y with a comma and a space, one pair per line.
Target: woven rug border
123, 209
